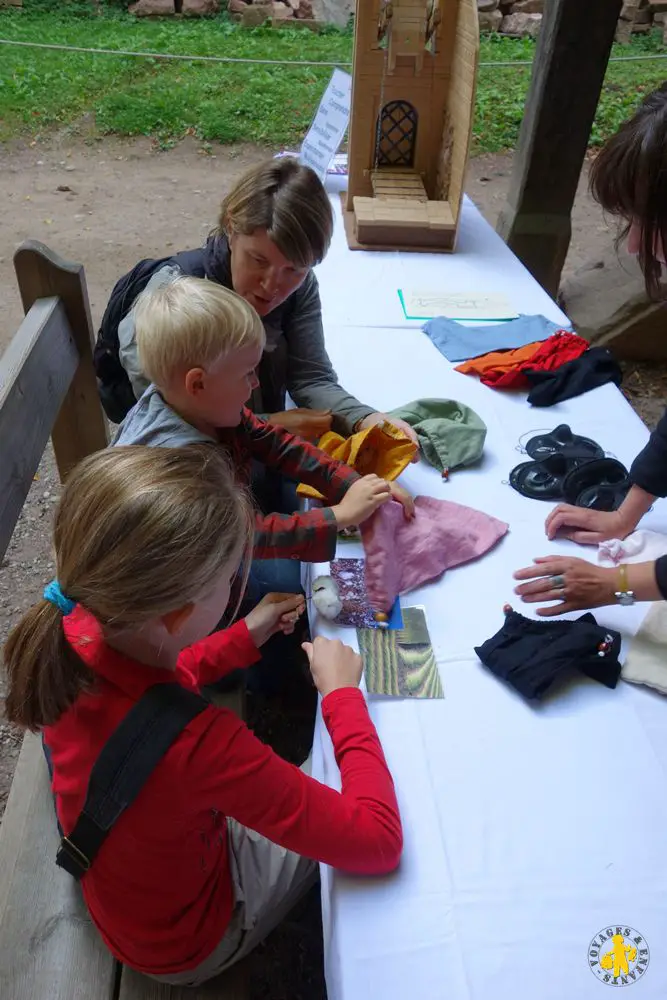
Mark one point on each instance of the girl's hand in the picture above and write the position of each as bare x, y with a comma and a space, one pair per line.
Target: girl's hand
274, 613
333, 665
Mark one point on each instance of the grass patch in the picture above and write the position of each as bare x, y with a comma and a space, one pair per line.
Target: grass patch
41, 88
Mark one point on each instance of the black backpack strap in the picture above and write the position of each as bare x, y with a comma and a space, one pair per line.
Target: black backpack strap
126, 762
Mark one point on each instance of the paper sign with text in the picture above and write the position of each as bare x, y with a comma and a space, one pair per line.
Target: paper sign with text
329, 124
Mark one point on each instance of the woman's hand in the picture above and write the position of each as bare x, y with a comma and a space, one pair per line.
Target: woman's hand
380, 418
404, 498
332, 665
576, 583
308, 424
588, 527
274, 613
361, 500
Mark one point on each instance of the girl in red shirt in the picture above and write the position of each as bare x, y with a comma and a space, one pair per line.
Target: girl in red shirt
224, 836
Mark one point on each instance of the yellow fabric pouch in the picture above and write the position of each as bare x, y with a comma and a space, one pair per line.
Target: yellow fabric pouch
382, 449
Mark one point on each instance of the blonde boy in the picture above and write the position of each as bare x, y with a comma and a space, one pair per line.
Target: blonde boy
200, 344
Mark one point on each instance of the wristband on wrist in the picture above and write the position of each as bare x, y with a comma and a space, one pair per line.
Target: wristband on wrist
624, 595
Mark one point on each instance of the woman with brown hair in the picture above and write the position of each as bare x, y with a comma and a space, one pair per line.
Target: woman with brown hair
274, 226
629, 180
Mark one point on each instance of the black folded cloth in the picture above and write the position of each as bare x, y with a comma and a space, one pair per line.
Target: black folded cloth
593, 368
530, 655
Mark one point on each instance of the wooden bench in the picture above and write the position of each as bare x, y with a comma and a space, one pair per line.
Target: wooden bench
49, 949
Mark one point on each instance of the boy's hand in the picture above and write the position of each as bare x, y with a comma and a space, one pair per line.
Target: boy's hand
361, 500
405, 499
274, 613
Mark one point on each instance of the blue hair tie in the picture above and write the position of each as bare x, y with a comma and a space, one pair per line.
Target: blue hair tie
54, 594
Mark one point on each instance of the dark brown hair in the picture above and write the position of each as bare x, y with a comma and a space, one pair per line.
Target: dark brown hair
286, 199
629, 180
139, 532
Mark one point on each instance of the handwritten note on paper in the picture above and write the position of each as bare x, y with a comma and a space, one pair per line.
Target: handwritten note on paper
329, 124
456, 305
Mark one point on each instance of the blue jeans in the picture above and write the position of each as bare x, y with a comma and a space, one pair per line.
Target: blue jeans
269, 576
49, 764
278, 654
272, 493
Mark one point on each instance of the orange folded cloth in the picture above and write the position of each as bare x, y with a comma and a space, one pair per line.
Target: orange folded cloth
381, 449
501, 361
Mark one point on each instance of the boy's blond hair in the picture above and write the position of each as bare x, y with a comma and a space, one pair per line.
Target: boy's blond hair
190, 323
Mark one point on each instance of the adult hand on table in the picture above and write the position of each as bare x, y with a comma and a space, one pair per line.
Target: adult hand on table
588, 527
380, 418
308, 424
333, 665
274, 613
576, 583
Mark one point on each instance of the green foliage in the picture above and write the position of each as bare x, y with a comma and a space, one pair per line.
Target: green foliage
501, 91
75, 8
224, 103
235, 102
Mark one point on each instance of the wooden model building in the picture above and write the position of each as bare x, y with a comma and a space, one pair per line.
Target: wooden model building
413, 93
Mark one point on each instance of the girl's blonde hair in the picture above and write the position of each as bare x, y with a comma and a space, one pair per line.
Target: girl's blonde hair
190, 323
286, 199
138, 532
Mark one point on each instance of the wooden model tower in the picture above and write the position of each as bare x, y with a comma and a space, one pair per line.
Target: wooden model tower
413, 94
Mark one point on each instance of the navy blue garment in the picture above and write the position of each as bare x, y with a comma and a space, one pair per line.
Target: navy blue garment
593, 368
530, 655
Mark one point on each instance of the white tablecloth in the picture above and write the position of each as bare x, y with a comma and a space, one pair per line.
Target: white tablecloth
528, 828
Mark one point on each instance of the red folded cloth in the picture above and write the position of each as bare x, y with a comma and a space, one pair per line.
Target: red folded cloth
549, 355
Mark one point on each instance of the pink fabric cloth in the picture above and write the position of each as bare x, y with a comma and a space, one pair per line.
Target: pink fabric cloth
402, 555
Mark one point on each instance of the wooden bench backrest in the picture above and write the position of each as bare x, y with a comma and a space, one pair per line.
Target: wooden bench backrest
47, 380
49, 949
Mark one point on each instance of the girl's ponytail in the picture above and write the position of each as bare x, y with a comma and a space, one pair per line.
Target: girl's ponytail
139, 532
45, 676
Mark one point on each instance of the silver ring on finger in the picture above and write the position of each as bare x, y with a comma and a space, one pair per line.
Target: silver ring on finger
557, 583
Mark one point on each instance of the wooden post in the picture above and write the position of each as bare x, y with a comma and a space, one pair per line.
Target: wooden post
80, 427
568, 71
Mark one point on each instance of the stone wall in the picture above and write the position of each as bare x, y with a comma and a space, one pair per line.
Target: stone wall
252, 13
639, 17
169, 8
516, 18
521, 18
249, 13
